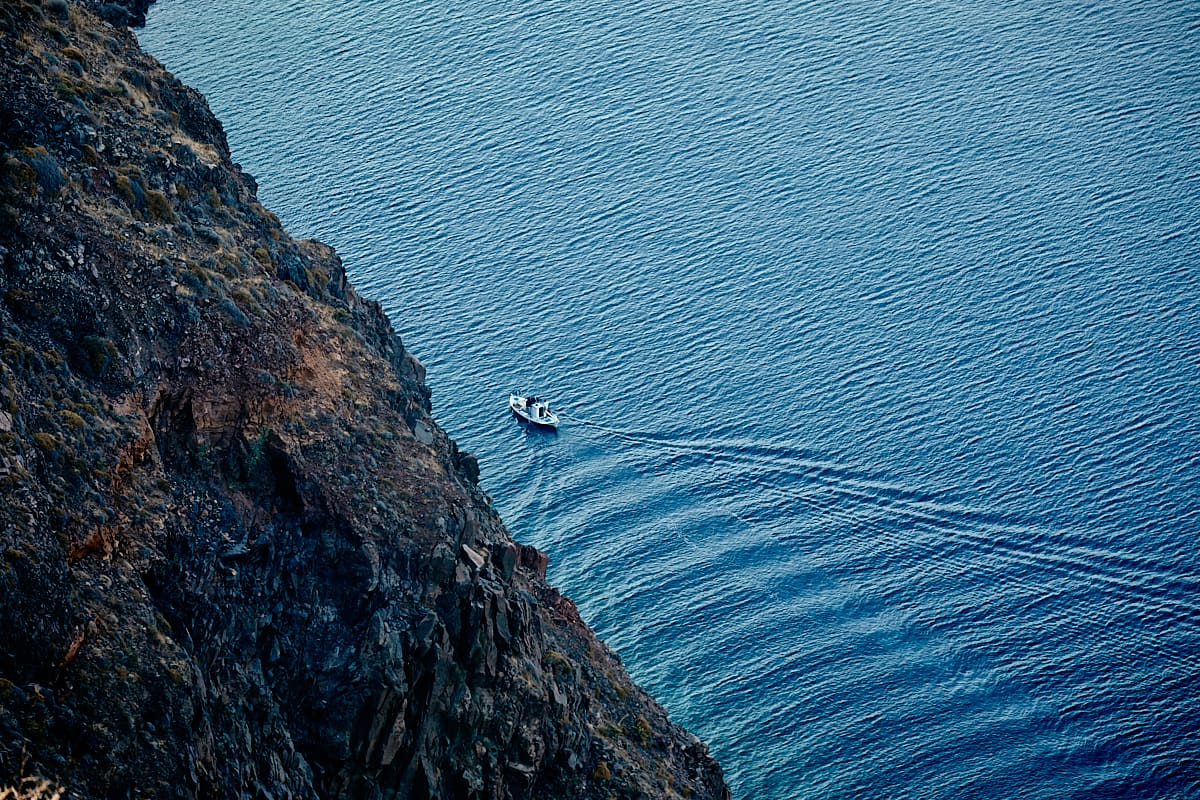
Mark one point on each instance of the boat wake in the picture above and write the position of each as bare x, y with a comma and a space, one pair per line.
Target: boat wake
820, 580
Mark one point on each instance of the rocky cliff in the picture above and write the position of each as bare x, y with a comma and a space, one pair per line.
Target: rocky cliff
238, 558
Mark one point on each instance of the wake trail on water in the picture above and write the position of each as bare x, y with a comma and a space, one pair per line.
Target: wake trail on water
777, 489
873, 583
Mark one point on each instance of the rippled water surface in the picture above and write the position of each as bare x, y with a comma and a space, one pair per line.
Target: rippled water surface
875, 327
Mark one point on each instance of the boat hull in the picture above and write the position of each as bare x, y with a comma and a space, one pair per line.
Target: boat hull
537, 413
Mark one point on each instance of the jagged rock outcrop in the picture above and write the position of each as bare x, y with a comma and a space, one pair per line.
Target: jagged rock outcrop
238, 558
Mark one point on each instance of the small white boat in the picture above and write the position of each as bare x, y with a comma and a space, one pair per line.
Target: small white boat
533, 410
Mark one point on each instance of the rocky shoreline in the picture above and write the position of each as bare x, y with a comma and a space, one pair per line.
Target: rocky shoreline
238, 557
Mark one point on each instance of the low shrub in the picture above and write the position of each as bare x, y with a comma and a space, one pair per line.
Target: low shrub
97, 354
22, 302
48, 443
65, 91
72, 419
246, 299
130, 190
611, 730
32, 170
159, 207
135, 77
642, 729
49, 176
19, 176
235, 313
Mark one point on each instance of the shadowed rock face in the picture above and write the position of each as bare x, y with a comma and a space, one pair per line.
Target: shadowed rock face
120, 12
237, 555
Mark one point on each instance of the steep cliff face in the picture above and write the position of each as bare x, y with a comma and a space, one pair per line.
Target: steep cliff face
237, 556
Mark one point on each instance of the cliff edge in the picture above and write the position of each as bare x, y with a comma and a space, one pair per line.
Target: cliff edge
238, 558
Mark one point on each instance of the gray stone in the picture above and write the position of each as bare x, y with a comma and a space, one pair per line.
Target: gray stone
441, 563
413, 368
475, 559
508, 560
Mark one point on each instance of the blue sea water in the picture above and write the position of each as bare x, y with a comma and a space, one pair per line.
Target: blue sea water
875, 327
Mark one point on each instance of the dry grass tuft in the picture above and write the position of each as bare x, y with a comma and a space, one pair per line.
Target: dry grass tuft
31, 788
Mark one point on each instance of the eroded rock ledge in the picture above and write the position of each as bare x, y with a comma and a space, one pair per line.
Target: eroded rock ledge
238, 558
